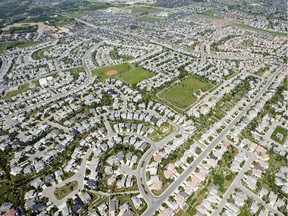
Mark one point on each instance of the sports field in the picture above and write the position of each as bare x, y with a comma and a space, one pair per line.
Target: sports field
181, 95
128, 73
111, 71
135, 75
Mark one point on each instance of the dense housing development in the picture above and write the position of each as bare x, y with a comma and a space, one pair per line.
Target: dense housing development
145, 107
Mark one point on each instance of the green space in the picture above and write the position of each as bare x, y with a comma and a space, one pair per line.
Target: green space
115, 55
39, 54
162, 132
268, 109
211, 14
242, 25
28, 8
63, 191
96, 200
148, 19
214, 46
121, 68
182, 94
247, 43
55, 20
20, 44
220, 177
73, 15
279, 135
135, 75
11, 94
3, 187
76, 71
22, 29
126, 72
4, 190
145, 9
83, 5
192, 47
262, 70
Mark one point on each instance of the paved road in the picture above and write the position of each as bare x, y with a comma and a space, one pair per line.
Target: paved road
86, 83
259, 200
157, 203
79, 176
234, 184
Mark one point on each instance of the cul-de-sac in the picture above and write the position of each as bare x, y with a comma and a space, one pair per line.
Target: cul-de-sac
143, 107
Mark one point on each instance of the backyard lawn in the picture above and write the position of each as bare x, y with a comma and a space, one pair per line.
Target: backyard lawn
279, 135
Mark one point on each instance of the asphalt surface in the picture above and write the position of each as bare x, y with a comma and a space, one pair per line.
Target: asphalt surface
157, 203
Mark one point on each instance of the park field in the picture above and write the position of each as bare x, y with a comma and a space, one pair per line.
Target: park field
105, 72
19, 44
181, 95
125, 72
135, 75
145, 9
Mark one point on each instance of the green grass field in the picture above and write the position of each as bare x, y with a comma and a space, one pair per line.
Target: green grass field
51, 20
148, 19
181, 95
121, 68
211, 14
73, 15
242, 25
145, 9
40, 54
162, 132
19, 44
135, 75
127, 73
3, 187
11, 94
63, 191
279, 135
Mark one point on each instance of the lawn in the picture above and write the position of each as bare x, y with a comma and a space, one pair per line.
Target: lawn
11, 94
135, 75
279, 135
73, 15
19, 44
121, 68
51, 20
76, 71
145, 9
63, 191
148, 19
211, 14
40, 53
242, 25
162, 132
127, 73
181, 95
22, 29
3, 187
